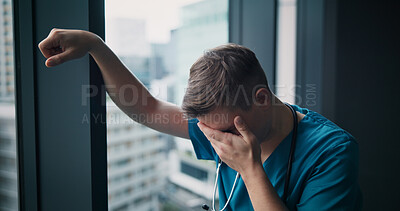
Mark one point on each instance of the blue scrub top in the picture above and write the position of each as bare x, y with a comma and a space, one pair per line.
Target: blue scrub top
324, 169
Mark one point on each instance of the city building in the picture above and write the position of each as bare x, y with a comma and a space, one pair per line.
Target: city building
8, 155
136, 163
8, 159
137, 156
127, 37
204, 26
6, 52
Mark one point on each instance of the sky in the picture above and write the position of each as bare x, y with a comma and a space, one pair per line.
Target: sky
161, 15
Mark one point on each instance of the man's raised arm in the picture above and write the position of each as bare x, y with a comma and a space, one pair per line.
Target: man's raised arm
122, 86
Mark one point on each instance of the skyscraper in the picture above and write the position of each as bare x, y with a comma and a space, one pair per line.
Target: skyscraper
8, 159
204, 25
6, 52
136, 154
136, 171
8, 155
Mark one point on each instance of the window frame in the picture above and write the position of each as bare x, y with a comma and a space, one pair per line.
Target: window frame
253, 24
49, 163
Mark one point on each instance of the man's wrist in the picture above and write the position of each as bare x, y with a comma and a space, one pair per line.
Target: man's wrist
95, 42
252, 172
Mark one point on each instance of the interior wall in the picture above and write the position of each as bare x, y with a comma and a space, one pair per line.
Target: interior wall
367, 93
349, 51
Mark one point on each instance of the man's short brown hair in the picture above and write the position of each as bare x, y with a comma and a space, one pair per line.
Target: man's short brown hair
226, 76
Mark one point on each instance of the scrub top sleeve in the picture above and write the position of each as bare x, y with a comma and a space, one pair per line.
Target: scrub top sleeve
333, 182
201, 145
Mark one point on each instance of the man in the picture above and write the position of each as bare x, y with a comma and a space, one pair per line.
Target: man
237, 120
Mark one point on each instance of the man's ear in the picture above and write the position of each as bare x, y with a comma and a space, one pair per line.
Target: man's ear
262, 97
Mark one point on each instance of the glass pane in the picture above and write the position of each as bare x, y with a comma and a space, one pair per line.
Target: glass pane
159, 40
286, 51
8, 155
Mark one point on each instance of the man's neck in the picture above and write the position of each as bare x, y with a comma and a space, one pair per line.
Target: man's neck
281, 125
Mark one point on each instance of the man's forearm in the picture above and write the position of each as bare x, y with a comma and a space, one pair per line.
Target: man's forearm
122, 86
262, 194
132, 97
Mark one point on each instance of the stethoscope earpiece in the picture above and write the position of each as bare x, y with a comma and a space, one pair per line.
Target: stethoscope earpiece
205, 207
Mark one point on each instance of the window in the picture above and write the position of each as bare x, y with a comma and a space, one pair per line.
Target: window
194, 172
286, 51
159, 44
8, 146
158, 40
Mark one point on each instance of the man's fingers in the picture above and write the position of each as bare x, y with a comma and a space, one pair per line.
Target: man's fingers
58, 59
44, 49
211, 134
218, 148
206, 130
243, 129
49, 47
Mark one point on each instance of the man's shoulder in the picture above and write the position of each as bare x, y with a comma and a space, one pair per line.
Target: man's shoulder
319, 133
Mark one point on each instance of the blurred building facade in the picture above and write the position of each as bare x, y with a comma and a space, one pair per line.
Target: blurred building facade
204, 26
136, 154
8, 159
8, 155
136, 160
164, 69
146, 168
6, 52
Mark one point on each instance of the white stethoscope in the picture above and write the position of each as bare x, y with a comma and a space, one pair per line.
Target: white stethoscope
288, 172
